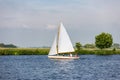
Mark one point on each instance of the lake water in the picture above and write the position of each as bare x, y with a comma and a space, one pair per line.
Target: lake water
39, 67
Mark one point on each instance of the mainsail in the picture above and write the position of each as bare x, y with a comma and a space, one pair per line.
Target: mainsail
62, 43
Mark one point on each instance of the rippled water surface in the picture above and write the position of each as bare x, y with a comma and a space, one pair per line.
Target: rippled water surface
88, 67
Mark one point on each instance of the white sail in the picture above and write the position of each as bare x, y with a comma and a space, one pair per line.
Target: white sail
64, 42
53, 50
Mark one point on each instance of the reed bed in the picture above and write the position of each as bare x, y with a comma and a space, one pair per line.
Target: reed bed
24, 51
45, 51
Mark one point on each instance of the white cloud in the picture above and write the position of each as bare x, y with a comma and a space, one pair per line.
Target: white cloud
51, 27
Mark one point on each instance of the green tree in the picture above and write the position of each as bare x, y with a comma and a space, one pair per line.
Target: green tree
78, 46
103, 40
89, 45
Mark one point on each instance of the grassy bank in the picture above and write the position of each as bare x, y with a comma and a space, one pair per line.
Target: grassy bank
99, 52
24, 51
45, 51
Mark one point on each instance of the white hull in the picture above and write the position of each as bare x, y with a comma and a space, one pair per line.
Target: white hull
63, 57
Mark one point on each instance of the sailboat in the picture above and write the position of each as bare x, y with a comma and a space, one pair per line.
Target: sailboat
62, 47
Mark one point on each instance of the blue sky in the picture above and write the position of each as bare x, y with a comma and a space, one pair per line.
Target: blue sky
33, 23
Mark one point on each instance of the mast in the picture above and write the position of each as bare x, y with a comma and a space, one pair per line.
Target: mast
58, 38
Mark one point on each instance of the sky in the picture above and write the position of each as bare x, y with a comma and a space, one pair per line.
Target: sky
34, 23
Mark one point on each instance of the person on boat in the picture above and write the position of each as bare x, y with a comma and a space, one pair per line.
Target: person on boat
70, 55
76, 55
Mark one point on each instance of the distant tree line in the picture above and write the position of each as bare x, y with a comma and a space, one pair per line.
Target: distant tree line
116, 45
2, 45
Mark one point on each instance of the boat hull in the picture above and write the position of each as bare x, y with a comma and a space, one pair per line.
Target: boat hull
63, 57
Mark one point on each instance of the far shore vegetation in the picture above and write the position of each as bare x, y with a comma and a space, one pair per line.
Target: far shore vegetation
103, 46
